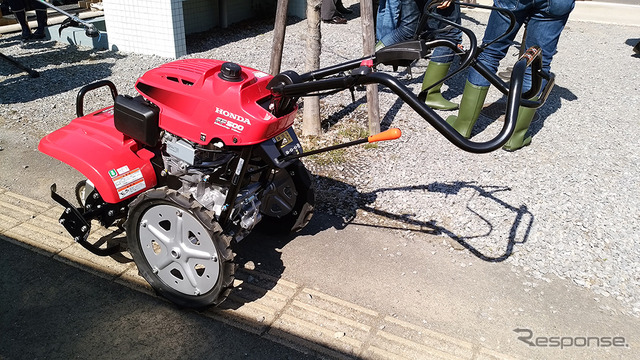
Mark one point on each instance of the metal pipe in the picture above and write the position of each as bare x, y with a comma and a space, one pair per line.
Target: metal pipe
7, 29
91, 29
31, 72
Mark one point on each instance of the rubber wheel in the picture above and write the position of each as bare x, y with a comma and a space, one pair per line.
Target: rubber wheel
179, 248
80, 192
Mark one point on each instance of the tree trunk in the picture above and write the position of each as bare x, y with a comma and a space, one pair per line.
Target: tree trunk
368, 47
311, 113
278, 36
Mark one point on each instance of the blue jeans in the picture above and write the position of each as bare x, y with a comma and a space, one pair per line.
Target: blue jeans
443, 54
396, 21
545, 21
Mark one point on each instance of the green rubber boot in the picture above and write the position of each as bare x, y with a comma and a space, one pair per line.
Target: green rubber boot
518, 139
472, 101
436, 71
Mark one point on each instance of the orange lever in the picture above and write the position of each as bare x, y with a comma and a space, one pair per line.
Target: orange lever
390, 134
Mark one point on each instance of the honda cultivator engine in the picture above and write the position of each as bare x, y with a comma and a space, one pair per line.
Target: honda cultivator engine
198, 160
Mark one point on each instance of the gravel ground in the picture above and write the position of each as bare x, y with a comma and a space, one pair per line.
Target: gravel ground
566, 206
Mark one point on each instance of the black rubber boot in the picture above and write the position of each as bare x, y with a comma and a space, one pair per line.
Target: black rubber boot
41, 16
21, 16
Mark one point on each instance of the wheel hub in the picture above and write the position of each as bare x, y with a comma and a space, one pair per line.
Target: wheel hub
181, 249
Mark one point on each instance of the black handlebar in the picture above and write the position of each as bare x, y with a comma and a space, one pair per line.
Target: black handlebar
85, 89
288, 86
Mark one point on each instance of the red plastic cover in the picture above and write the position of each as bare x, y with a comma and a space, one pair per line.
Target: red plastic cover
115, 164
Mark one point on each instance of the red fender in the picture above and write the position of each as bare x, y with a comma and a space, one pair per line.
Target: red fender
117, 165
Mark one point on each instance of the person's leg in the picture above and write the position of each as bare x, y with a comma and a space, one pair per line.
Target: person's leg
492, 55
385, 23
327, 9
477, 86
41, 16
470, 106
544, 29
17, 7
518, 138
329, 14
406, 24
435, 72
441, 59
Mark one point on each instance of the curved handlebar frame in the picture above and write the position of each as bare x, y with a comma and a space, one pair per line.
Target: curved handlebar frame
85, 89
291, 85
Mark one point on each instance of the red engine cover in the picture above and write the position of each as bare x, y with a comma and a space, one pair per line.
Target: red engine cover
199, 103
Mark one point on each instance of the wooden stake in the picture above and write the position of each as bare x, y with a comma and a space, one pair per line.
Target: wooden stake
368, 47
311, 113
278, 36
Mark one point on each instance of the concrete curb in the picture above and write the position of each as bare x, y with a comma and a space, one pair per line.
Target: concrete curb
274, 308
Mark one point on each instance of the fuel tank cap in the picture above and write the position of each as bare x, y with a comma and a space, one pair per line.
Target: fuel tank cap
231, 72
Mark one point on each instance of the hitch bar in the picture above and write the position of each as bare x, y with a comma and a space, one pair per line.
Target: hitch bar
79, 226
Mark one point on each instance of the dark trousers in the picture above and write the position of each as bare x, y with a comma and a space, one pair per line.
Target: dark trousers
21, 5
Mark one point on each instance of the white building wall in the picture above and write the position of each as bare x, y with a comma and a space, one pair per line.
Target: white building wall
146, 26
158, 27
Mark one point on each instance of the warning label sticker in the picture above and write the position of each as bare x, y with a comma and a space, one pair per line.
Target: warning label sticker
129, 183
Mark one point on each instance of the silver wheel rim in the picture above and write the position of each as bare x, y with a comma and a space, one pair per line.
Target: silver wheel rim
179, 249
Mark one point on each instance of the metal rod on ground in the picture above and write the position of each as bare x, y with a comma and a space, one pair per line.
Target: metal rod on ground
278, 36
368, 47
31, 72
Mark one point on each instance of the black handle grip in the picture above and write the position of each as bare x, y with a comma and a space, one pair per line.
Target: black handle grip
85, 89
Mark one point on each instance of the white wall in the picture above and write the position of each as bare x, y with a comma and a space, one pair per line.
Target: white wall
146, 26
158, 27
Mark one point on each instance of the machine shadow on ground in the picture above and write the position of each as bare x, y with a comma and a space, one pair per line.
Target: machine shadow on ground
351, 201
338, 205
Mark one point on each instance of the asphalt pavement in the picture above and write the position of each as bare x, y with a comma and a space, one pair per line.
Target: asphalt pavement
51, 310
